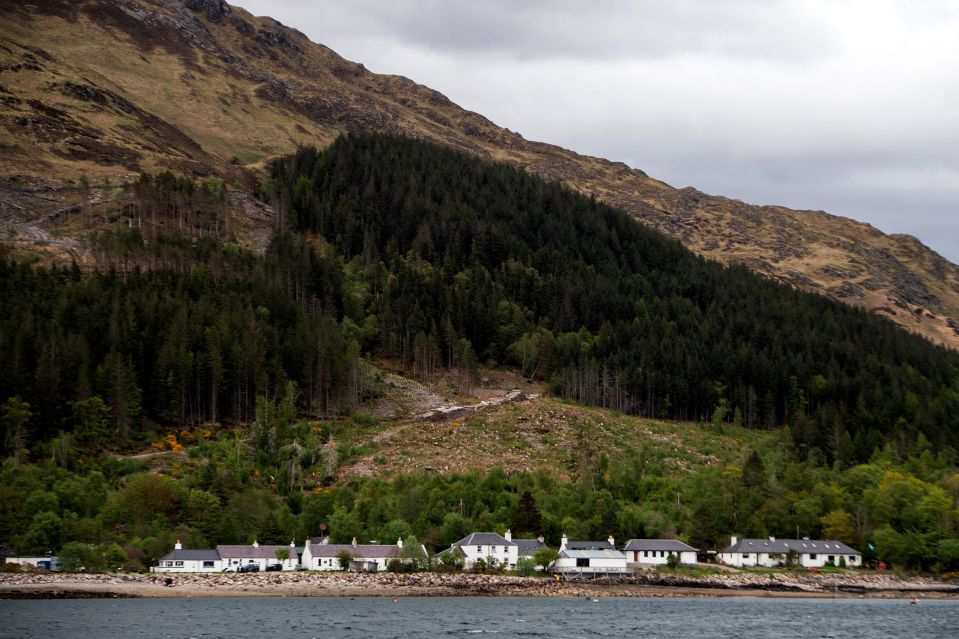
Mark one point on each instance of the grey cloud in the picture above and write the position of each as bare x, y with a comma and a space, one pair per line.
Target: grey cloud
602, 29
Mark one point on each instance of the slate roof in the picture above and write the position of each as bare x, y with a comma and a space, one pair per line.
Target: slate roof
592, 554
526, 547
802, 546
668, 545
191, 555
484, 539
589, 545
360, 551
249, 551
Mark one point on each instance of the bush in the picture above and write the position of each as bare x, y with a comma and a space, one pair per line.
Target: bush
525, 567
673, 561
398, 565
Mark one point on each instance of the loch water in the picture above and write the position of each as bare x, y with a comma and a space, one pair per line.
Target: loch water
500, 617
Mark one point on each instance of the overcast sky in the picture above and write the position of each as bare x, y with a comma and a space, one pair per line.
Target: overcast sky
849, 106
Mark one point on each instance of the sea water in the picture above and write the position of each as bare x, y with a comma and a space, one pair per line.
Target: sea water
500, 617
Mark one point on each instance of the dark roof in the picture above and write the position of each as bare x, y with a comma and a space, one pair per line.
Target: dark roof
249, 552
589, 545
191, 555
802, 546
669, 545
526, 547
593, 553
361, 551
484, 539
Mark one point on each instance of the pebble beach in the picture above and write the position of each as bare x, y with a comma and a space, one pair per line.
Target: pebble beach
305, 584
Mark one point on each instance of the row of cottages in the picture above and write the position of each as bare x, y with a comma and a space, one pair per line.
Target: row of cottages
365, 557
590, 558
318, 555
586, 558
772, 553
229, 558
492, 547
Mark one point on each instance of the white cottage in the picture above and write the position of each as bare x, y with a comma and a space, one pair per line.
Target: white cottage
245, 555
656, 552
365, 557
189, 560
589, 563
772, 552
588, 558
487, 546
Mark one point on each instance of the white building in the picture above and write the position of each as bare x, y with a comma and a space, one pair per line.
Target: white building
656, 552
772, 552
487, 546
364, 557
589, 563
588, 558
180, 560
238, 556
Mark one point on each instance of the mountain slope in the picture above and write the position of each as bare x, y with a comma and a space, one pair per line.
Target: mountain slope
104, 88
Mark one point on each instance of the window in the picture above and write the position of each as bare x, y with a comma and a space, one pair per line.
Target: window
582, 562
207, 564
745, 555
812, 555
178, 564
645, 553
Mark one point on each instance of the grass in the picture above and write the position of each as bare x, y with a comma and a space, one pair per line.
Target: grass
545, 433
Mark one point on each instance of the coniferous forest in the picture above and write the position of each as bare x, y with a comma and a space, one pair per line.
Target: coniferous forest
471, 256
394, 249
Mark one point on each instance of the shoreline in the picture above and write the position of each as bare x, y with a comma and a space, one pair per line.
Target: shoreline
652, 585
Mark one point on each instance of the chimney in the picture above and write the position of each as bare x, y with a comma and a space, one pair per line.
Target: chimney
771, 538
177, 545
255, 544
612, 542
292, 544
508, 535
399, 542
562, 542
732, 541
541, 539
354, 542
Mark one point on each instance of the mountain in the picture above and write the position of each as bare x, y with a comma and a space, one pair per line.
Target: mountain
105, 88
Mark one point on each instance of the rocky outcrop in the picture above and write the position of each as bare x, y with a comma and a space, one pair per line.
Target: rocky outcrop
451, 410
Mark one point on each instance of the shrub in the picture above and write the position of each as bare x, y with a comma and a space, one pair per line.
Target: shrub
525, 567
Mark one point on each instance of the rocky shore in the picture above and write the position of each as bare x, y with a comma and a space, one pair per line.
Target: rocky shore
58, 585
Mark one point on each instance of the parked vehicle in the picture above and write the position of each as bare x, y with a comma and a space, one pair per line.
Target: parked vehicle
274, 567
250, 568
